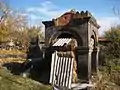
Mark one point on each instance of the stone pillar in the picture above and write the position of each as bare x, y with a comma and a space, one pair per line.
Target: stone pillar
84, 63
94, 62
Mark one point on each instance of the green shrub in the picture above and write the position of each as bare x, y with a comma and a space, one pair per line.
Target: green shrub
113, 46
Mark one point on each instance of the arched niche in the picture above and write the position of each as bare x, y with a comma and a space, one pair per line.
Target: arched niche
66, 34
94, 37
94, 54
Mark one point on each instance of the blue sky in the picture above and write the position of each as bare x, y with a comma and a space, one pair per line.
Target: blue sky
38, 10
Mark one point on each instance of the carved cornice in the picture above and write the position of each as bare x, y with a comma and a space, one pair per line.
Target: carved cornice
69, 17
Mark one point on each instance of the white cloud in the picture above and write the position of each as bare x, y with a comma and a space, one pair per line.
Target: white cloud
106, 23
46, 10
34, 17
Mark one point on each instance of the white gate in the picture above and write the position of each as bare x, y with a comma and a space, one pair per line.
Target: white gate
61, 70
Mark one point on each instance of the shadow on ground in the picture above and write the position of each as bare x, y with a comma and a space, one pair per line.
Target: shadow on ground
37, 69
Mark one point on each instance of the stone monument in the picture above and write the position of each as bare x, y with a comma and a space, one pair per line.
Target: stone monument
81, 27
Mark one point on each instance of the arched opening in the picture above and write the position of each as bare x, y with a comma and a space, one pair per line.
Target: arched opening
65, 35
74, 37
94, 36
94, 42
94, 60
61, 34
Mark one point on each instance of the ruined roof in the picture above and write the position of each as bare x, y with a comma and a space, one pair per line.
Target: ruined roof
103, 39
76, 15
67, 17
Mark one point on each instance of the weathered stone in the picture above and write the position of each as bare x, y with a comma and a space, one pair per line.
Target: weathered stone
83, 28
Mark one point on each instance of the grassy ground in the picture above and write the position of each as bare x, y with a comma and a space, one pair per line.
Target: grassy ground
107, 79
13, 82
8, 81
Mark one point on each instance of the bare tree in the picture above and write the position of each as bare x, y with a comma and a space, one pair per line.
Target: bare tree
116, 11
4, 10
13, 26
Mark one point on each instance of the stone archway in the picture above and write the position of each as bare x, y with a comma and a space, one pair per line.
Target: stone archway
66, 34
94, 54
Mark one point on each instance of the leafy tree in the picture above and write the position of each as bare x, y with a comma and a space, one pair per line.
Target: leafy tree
35, 32
13, 26
4, 13
113, 47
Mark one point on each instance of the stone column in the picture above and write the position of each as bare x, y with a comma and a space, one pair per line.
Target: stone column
95, 61
84, 63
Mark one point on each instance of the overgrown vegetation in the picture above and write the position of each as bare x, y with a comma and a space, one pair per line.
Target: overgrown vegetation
110, 73
110, 68
113, 46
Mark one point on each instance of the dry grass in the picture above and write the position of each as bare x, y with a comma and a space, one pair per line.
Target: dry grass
103, 82
13, 51
9, 60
